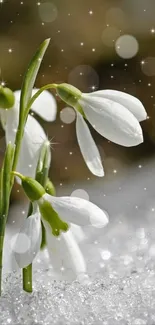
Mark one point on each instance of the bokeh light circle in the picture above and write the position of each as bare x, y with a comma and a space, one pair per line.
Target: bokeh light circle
126, 46
48, 12
148, 67
116, 16
67, 115
82, 194
110, 35
105, 255
84, 77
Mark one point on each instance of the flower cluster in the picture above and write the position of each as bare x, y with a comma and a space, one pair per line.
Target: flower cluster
58, 214
113, 114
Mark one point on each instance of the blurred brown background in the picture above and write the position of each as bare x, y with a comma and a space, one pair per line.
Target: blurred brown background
85, 50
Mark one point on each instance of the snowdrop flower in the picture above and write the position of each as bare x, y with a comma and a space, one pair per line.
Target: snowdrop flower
113, 114
57, 214
34, 135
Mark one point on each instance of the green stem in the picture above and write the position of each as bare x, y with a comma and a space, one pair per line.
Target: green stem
27, 271
1, 259
6, 177
5, 197
41, 176
3, 220
43, 242
19, 134
6, 183
32, 100
18, 140
27, 278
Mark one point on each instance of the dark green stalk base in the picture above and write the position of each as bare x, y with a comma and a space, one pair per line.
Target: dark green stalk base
0, 281
1, 258
27, 279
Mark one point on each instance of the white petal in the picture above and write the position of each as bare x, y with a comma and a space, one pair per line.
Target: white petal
14, 224
112, 120
77, 210
88, 147
9, 120
78, 233
45, 105
17, 94
28, 241
33, 138
3, 117
9, 262
132, 103
12, 118
66, 257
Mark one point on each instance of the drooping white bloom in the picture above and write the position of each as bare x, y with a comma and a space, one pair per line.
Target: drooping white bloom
34, 135
113, 114
62, 245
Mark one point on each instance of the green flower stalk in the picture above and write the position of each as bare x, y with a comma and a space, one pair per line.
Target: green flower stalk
5, 195
42, 178
7, 102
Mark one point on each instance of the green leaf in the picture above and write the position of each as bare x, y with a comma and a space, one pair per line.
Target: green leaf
30, 77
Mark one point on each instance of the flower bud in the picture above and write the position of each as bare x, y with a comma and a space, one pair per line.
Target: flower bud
69, 94
7, 98
32, 188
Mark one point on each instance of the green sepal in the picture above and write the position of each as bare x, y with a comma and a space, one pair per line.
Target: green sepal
52, 218
7, 98
32, 188
49, 188
68, 93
